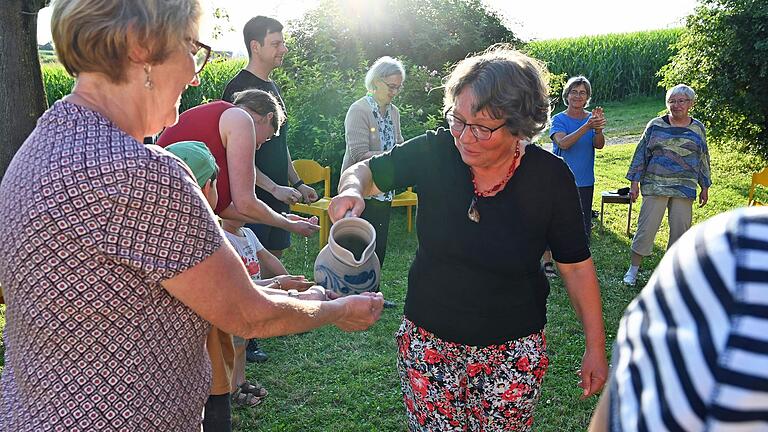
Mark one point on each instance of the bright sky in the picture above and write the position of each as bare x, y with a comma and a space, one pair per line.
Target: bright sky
527, 19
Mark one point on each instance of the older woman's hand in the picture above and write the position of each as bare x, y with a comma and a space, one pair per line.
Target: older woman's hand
593, 372
596, 122
346, 201
634, 191
703, 197
360, 311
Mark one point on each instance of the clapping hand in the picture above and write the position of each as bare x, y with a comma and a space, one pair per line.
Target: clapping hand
597, 121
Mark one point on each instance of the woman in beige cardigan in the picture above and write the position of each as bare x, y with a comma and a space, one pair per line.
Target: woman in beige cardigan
372, 126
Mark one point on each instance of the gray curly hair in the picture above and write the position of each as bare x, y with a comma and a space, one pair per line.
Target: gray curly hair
506, 83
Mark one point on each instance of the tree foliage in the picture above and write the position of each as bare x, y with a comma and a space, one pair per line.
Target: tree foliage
430, 32
332, 46
21, 89
724, 56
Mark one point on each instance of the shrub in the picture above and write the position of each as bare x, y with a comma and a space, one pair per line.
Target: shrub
213, 79
724, 57
317, 95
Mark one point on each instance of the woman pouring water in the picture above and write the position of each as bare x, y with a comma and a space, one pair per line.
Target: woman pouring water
472, 348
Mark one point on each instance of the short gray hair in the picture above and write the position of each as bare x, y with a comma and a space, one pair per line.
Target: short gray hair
507, 83
683, 90
382, 68
573, 82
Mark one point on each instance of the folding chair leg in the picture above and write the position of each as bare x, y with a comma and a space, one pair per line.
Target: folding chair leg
410, 222
325, 228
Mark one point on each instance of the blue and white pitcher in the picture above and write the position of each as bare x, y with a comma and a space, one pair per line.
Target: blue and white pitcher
348, 263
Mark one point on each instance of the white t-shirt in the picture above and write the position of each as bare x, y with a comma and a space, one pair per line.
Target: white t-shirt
247, 246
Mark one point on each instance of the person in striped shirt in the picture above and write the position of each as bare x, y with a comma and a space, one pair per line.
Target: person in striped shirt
670, 161
691, 352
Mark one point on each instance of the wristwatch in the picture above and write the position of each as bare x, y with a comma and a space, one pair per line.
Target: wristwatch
293, 293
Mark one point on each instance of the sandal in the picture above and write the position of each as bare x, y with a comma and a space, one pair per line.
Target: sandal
549, 269
255, 389
247, 400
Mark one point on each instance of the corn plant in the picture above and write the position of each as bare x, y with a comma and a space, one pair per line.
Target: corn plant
617, 65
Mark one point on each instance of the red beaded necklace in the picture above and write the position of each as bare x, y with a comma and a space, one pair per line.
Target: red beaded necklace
503, 181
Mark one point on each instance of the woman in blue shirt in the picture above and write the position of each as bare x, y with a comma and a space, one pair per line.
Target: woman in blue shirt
575, 134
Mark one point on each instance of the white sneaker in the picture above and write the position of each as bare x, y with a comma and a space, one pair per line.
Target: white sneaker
630, 278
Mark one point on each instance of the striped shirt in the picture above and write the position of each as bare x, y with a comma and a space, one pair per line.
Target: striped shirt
691, 352
670, 160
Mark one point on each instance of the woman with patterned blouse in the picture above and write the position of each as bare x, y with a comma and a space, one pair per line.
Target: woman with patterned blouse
372, 126
111, 262
670, 160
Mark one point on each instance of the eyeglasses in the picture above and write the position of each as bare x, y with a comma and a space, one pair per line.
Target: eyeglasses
678, 101
201, 53
578, 93
479, 131
393, 87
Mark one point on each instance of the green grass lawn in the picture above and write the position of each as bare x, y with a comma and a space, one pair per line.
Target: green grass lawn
626, 119
328, 380
333, 381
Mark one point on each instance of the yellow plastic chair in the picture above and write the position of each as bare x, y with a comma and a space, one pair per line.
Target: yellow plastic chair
312, 172
758, 178
409, 199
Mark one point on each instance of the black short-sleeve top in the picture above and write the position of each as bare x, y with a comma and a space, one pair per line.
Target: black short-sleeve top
481, 283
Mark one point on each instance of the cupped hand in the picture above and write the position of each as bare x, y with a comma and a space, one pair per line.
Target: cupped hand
593, 373
634, 192
287, 194
316, 292
342, 203
299, 283
308, 194
295, 217
360, 311
303, 227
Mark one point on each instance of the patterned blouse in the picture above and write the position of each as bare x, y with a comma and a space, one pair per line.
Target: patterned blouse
670, 161
93, 222
386, 134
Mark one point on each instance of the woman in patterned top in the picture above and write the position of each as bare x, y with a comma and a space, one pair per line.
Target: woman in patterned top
111, 262
670, 160
372, 126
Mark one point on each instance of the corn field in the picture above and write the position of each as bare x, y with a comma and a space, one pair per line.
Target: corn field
617, 65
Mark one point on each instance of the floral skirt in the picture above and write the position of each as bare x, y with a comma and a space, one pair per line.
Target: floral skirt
453, 387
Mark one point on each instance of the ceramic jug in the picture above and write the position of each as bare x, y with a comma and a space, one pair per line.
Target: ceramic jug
348, 263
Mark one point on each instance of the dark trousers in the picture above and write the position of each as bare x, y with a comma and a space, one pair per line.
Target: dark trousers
218, 414
585, 196
377, 213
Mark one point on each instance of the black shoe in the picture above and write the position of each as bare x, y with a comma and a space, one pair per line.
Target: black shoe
254, 353
388, 304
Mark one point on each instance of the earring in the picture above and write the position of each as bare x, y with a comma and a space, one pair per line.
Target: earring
148, 84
